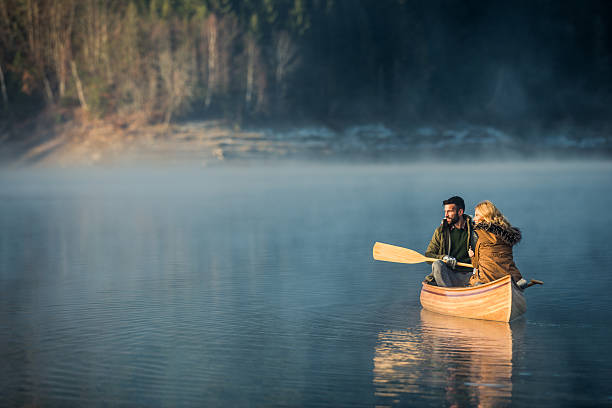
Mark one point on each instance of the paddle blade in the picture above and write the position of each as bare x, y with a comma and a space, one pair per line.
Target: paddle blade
392, 253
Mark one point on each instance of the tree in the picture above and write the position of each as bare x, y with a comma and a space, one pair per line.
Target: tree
286, 60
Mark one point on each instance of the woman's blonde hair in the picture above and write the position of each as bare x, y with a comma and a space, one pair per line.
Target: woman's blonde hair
491, 214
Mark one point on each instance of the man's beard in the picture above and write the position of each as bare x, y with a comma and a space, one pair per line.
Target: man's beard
453, 220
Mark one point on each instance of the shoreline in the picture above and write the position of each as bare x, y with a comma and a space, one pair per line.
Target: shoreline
82, 141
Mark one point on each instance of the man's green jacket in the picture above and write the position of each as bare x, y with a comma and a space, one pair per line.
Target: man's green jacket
440, 244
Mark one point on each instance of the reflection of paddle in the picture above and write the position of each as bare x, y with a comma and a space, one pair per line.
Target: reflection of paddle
534, 282
392, 253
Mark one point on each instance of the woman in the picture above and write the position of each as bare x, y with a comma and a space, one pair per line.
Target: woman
492, 258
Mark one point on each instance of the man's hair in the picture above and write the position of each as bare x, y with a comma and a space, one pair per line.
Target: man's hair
458, 201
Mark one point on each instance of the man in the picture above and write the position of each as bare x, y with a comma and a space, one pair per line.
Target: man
451, 244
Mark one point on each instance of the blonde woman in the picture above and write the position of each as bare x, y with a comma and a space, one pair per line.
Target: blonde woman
492, 258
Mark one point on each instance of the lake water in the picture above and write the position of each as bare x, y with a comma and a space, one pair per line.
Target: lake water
255, 286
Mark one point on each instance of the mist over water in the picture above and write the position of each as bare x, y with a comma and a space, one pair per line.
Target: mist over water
255, 285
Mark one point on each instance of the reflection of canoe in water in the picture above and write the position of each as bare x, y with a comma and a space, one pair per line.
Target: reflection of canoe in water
446, 361
499, 300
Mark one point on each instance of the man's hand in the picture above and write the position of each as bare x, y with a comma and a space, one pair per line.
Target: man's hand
450, 261
470, 253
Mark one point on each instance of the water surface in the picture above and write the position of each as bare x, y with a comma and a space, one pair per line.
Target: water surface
255, 286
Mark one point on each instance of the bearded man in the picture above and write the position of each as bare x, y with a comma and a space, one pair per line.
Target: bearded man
451, 243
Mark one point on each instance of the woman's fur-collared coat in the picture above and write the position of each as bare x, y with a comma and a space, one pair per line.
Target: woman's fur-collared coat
493, 253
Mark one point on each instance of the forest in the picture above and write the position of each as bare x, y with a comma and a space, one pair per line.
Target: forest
308, 60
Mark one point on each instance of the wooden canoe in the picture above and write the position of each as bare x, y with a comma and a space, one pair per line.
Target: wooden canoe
500, 300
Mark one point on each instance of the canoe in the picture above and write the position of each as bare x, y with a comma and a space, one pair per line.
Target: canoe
500, 300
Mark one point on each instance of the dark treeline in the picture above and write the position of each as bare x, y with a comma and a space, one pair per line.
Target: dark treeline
308, 59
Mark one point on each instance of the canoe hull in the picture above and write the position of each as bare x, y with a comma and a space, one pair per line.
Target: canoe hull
500, 300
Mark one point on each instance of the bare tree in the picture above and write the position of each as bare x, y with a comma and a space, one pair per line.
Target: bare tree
255, 76
60, 35
227, 39
3, 88
5, 42
79, 85
35, 26
286, 59
211, 84
129, 72
176, 74
251, 57
95, 47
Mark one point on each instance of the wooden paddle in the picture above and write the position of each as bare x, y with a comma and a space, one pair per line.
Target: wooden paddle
392, 253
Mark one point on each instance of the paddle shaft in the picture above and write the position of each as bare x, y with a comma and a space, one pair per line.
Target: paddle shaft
534, 282
467, 265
